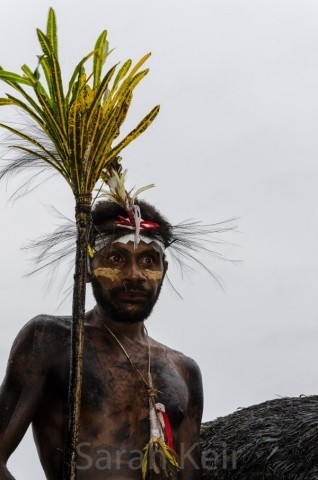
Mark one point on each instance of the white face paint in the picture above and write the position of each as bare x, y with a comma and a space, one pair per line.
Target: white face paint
130, 237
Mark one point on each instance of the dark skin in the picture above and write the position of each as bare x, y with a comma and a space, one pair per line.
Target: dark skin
114, 424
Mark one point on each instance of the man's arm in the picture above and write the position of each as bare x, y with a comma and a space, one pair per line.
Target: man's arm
21, 390
188, 441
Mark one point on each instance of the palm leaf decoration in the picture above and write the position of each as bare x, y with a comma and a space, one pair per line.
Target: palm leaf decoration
74, 133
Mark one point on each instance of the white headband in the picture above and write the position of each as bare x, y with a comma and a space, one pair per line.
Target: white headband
129, 237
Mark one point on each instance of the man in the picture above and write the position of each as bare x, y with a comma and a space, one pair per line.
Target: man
136, 391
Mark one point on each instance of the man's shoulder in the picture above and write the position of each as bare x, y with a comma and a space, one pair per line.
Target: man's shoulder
187, 364
40, 331
47, 323
40, 339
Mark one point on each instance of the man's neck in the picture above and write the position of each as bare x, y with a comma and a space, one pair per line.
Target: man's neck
133, 331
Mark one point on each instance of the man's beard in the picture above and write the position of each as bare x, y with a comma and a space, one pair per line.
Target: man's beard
120, 313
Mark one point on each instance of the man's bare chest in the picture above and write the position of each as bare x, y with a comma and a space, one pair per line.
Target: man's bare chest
112, 384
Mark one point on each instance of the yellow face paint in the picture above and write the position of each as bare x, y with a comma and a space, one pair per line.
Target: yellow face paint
153, 274
110, 273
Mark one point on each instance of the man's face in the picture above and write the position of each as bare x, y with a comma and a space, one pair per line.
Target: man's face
126, 281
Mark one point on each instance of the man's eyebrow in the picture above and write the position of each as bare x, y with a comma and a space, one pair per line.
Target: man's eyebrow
109, 248
114, 247
151, 251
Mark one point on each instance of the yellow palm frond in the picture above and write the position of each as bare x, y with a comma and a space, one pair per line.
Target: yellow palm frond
82, 124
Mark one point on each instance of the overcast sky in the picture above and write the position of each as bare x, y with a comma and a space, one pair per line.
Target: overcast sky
236, 136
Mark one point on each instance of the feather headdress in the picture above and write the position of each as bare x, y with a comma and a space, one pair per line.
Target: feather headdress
185, 243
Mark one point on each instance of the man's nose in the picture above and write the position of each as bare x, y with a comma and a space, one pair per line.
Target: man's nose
134, 272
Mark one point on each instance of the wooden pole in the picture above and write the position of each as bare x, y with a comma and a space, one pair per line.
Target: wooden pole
82, 215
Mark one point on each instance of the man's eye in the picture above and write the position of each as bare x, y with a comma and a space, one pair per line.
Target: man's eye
148, 261
115, 258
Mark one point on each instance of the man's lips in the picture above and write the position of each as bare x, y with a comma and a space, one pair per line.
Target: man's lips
132, 295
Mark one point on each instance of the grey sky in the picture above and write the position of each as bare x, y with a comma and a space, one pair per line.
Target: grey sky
236, 136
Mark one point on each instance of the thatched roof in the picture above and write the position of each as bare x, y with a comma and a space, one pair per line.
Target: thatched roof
277, 439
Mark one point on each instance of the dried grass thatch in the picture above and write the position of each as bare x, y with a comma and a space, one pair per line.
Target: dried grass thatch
277, 439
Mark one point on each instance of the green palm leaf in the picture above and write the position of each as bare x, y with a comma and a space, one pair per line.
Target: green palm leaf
51, 31
121, 73
100, 55
141, 127
14, 77
6, 101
